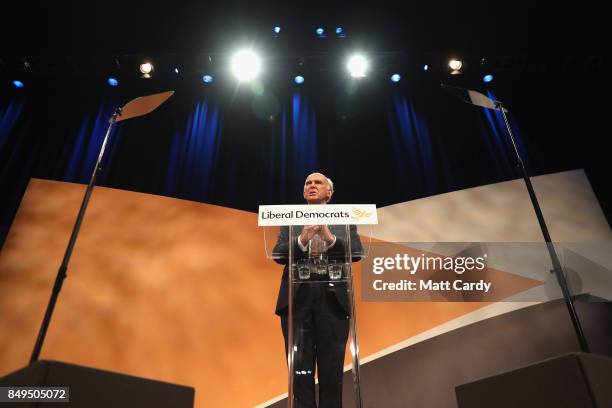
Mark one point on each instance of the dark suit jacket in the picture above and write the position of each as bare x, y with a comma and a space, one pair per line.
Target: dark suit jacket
335, 252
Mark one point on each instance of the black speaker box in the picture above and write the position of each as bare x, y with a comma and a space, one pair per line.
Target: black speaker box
94, 388
575, 380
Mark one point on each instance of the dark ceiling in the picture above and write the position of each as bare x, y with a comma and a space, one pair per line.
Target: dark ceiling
150, 27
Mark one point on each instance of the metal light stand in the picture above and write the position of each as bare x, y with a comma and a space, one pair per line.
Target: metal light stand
61, 273
136, 107
481, 100
557, 268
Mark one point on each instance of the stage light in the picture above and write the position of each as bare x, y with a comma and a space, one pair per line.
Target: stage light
112, 81
425, 67
455, 65
487, 78
246, 65
18, 84
146, 67
396, 77
176, 71
357, 66
276, 30
320, 32
208, 79
299, 79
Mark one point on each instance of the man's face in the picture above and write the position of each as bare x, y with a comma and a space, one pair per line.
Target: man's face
316, 189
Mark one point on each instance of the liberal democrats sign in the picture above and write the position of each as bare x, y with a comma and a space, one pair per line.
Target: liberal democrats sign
324, 214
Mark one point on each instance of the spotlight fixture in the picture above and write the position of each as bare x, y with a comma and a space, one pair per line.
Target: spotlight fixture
340, 32
358, 66
320, 32
455, 65
146, 68
298, 79
208, 79
176, 71
112, 81
18, 84
425, 67
396, 77
487, 78
246, 65
276, 30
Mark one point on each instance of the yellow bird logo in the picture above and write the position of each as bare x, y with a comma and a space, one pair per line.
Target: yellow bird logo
357, 214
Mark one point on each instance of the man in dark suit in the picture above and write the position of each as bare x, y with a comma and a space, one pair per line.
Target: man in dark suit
321, 311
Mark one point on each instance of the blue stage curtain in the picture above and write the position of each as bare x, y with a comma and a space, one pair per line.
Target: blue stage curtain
412, 148
293, 150
9, 116
87, 144
495, 136
193, 154
303, 137
277, 166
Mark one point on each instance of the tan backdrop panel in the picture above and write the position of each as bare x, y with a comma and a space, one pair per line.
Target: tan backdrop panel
157, 287
500, 212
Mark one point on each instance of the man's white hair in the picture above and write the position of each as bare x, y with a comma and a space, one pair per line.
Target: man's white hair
329, 181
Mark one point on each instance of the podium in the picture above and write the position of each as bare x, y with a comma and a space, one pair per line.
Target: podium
316, 299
